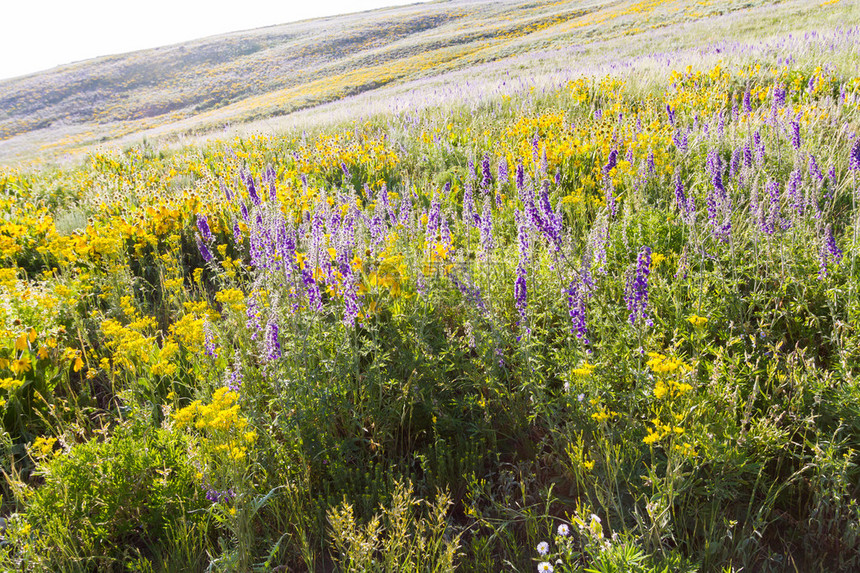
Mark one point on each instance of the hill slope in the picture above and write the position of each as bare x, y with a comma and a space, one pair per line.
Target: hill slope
213, 82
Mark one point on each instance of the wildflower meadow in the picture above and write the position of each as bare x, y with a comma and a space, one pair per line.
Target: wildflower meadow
607, 325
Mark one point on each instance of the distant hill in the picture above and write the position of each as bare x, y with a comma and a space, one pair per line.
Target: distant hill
204, 85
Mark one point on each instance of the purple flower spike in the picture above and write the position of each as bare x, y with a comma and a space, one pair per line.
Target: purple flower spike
204, 250
203, 226
611, 161
795, 135
503, 170
272, 344
251, 187
521, 176
577, 293
636, 293
487, 180
829, 252
854, 156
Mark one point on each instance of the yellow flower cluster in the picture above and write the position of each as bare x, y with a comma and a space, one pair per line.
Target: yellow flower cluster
42, 447
668, 371
583, 370
603, 413
660, 431
220, 420
232, 298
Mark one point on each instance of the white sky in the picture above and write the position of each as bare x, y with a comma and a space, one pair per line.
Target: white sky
41, 34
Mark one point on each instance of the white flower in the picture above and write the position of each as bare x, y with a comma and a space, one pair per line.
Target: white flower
581, 397
563, 530
544, 567
543, 548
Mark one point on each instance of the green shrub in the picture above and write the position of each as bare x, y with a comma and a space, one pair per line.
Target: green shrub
104, 502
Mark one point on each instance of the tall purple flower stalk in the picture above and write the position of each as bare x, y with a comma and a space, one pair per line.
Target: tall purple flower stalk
854, 156
486, 228
487, 176
636, 293
829, 252
597, 239
503, 170
520, 285
771, 217
251, 187
577, 294
815, 171
718, 201
233, 376
271, 178
521, 176
611, 162
209, 340
686, 205
795, 135
792, 190
271, 343
204, 250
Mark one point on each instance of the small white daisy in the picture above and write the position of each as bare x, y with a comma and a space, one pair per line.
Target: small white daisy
544, 567
543, 548
563, 530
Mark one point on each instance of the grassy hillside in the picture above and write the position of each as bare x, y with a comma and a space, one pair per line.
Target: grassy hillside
589, 307
219, 81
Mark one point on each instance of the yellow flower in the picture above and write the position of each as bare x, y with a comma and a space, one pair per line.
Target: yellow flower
42, 447
21, 365
698, 321
10, 384
583, 370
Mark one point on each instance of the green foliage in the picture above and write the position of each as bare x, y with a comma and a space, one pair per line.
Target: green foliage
103, 502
